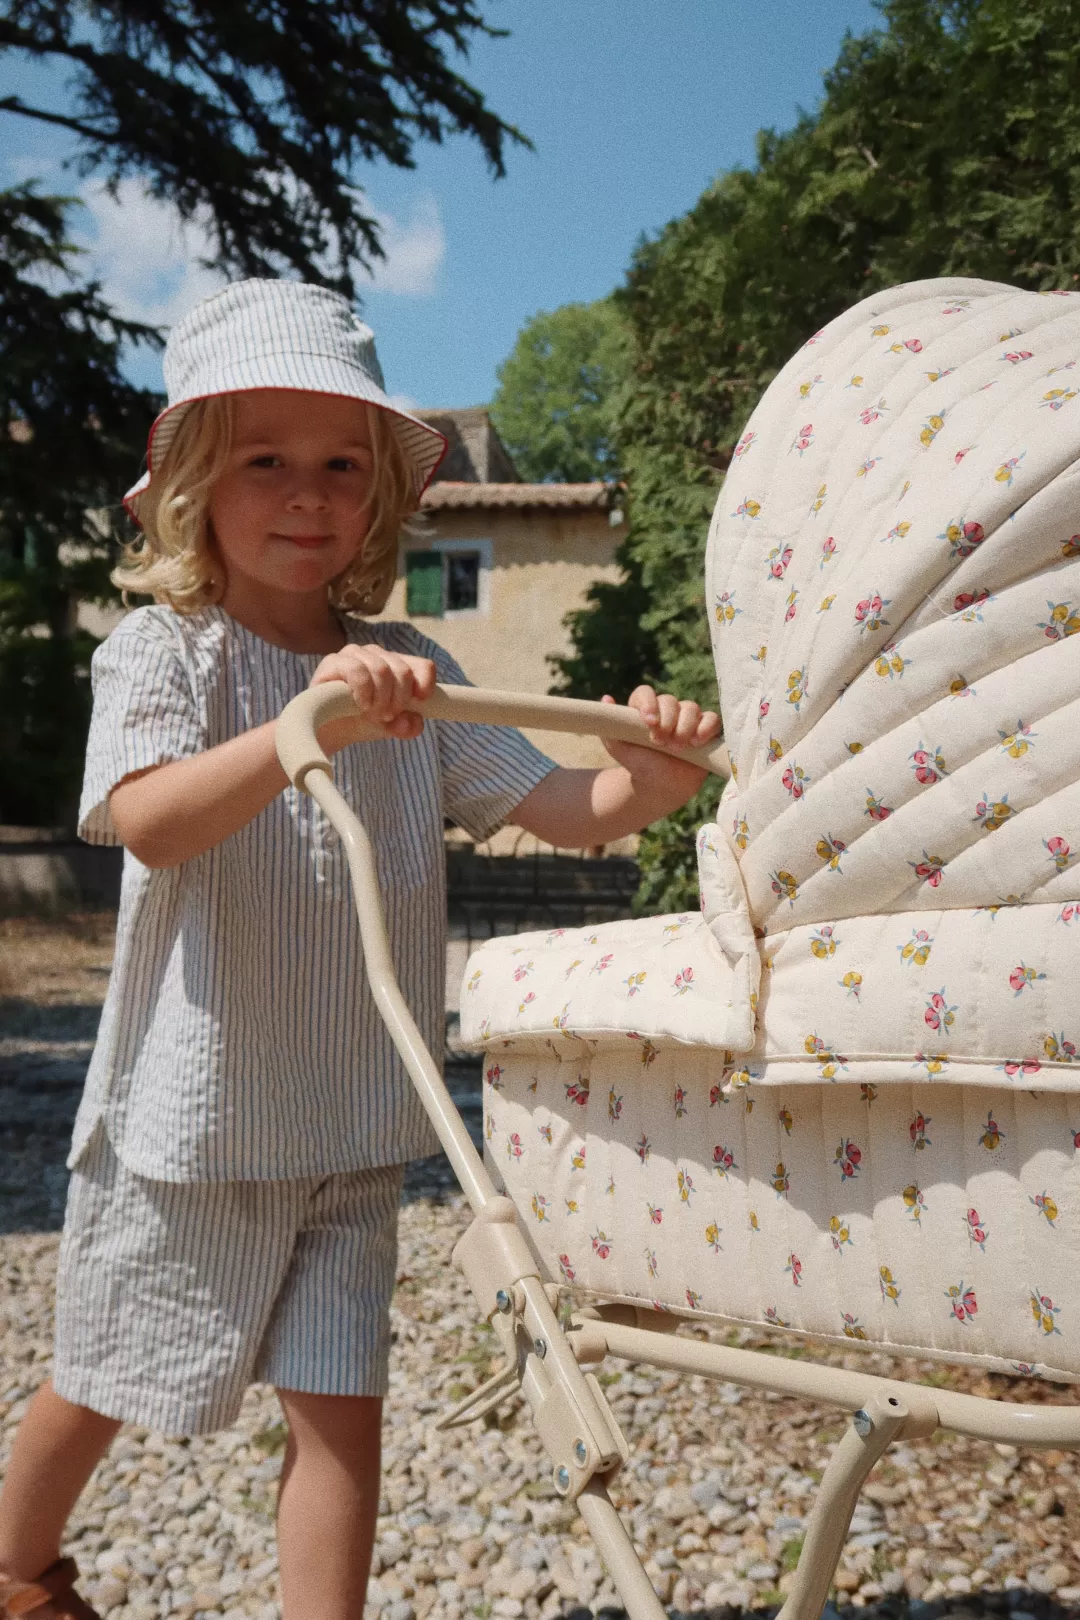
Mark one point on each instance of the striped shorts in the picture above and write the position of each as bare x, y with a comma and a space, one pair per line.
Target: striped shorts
172, 1297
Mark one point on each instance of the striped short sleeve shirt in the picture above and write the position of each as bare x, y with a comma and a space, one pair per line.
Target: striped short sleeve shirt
239, 1038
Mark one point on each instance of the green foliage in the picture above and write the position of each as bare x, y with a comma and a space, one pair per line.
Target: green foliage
558, 393
946, 143
250, 117
44, 713
790, 1553
612, 652
71, 429
668, 856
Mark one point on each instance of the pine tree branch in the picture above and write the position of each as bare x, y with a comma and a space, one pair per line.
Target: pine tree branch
255, 113
15, 104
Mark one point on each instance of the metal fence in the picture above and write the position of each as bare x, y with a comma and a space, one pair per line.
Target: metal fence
509, 894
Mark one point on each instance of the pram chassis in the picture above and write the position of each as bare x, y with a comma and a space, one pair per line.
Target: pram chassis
547, 1360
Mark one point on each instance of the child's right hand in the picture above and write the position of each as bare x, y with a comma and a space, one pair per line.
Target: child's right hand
382, 683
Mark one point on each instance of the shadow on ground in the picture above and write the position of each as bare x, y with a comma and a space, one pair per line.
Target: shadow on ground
1018, 1603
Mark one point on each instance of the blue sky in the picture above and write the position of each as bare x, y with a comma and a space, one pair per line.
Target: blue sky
633, 106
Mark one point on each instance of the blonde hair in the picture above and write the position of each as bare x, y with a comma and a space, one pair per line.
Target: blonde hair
175, 561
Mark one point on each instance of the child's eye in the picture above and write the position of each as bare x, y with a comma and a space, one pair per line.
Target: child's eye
347, 464
265, 461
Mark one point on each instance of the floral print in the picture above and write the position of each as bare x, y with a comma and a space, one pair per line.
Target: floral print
1061, 621
917, 949
894, 859
962, 1302
601, 1230
929, 765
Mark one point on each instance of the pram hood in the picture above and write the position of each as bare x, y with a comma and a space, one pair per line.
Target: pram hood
893, 580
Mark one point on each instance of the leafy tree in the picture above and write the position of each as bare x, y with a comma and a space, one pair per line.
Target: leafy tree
611, 652
558, 393
249, 117
69, 428
945, 144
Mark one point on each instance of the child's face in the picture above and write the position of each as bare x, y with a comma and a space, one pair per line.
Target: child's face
290, 511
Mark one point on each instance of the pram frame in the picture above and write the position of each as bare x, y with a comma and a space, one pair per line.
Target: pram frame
545, 1359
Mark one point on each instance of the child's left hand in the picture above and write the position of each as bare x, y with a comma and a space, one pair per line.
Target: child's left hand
577, 809
674, 722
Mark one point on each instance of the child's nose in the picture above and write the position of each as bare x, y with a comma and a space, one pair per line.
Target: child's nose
308, 494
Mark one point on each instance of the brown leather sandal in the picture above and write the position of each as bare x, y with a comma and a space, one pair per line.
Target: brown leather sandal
55, 1587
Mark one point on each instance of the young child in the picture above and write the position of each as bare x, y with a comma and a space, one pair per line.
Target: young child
238, 1152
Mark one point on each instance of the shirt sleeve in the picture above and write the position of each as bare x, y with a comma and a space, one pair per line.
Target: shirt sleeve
486, 770
144, 714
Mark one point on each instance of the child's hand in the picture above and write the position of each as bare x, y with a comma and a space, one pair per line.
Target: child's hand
578, 809
381, 683
673, 722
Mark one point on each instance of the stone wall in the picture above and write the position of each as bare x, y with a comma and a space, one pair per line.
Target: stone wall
42, 870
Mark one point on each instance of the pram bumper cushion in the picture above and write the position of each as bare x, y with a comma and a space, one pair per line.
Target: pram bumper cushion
657, 981
837, 1180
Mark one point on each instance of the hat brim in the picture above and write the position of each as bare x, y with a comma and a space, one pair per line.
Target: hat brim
423, 446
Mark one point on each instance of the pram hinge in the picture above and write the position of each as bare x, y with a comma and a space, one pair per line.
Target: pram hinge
571, 1413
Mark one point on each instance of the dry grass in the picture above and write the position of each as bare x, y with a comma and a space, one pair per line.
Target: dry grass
54, 961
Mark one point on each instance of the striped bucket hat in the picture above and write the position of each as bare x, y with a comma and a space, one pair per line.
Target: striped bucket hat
278, 334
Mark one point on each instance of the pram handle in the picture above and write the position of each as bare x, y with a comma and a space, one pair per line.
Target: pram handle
299, 750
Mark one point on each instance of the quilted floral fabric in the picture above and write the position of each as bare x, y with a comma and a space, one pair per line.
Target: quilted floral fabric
893, 580
894, 583
936, 1220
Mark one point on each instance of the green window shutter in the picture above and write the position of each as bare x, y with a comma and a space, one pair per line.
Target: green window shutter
424, 583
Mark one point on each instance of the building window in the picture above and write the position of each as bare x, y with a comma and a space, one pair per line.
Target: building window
450, 577
462, 580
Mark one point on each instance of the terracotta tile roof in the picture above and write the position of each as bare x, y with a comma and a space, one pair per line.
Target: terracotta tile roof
444, 495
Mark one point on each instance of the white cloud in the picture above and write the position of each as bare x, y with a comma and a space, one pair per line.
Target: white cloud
146, 257
149, 261
414, 252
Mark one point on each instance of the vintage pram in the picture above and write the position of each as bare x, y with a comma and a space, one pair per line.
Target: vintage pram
843, 1098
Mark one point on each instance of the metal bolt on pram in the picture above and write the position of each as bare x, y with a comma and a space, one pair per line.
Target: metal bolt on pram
581, 1454
863, 1422
540, 1346
561, 1476
504, 1302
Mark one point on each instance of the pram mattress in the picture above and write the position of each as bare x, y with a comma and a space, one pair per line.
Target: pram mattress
917, 1217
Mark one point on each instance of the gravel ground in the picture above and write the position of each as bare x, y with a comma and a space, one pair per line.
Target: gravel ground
716, 1493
